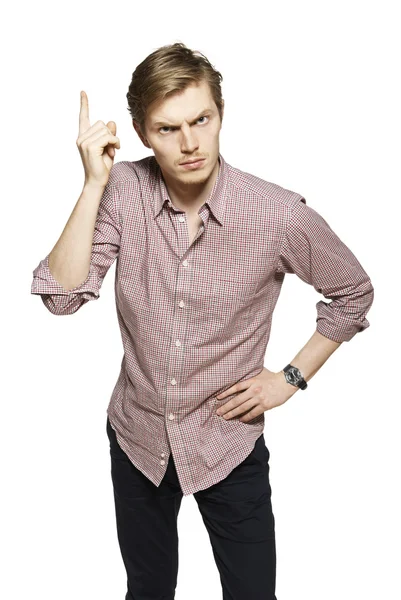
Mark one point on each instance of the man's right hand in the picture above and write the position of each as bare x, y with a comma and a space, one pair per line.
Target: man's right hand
96, 146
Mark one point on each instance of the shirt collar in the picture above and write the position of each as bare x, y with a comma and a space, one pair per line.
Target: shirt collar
217, 197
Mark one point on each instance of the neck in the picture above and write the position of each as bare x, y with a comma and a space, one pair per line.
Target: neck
189, 197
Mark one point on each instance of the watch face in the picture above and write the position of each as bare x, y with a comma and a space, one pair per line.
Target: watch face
293, 375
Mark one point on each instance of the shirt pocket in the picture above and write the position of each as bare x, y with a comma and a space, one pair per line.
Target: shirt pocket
236, 290
223, 303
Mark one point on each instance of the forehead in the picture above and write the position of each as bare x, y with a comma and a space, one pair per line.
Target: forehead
182, 105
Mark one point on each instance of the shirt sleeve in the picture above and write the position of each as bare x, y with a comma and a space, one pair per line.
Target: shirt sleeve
313, 251
105, 248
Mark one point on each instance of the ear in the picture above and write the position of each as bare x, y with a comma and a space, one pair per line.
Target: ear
140, 134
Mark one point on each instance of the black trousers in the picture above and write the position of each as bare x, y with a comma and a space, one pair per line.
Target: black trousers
236, 511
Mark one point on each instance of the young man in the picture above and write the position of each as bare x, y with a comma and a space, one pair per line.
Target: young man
202, 250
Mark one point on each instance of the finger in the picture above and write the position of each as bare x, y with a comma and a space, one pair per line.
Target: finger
237, 387
101, 141
228, 392
240, 410
237, 402
113, 129
102, 134
99, 125
255, 412
84, 123
112, 126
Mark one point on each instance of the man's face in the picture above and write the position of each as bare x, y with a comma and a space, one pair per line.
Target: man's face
183, 127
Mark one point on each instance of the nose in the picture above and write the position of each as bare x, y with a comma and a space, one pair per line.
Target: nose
189, 142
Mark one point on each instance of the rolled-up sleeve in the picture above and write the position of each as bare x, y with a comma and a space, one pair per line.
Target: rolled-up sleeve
312, 250
105, 248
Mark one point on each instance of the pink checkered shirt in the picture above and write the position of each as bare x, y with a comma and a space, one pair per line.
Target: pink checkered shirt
196, 318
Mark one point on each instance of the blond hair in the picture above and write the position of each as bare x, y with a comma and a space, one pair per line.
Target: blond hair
167, 70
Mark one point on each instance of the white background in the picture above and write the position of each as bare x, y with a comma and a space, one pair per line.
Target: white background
312, 104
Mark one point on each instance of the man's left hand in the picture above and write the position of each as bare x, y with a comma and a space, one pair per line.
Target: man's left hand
264, 391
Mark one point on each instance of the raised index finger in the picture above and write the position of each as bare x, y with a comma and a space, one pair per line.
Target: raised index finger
84, 123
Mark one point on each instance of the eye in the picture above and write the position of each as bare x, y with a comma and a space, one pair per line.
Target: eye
165, 128
203, 117
173, 128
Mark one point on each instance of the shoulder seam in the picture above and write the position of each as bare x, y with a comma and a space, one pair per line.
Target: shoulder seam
296, 196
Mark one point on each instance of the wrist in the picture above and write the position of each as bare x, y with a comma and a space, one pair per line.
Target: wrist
288, 387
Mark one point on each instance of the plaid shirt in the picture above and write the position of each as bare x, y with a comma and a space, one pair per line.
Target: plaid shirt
195, 318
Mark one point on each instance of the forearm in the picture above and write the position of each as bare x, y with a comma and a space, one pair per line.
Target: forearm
314, 354
69, 260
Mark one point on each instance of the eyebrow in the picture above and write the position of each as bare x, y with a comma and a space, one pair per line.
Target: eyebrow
164, 123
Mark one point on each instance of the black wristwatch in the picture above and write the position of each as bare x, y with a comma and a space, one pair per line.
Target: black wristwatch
294, 376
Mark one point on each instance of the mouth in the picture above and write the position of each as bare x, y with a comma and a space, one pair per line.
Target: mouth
194, 164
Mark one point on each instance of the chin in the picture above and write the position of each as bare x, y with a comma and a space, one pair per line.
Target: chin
195, 180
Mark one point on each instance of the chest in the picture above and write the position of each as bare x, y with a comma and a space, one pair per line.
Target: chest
194, 222
161, 262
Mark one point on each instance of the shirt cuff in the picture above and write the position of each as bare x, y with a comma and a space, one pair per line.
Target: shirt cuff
337, 328
55, 297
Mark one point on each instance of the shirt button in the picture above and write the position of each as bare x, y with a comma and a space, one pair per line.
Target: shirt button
181, 304
171, 416
177, 343
162, 462
173, 381
162, 454
181, 219
185, 263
